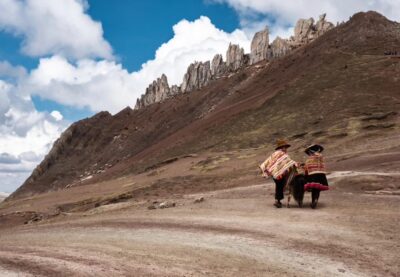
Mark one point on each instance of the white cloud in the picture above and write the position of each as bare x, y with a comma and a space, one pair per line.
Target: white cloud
9, 71
26, 135
198, 40
106, 85
281, 14
54, 27
57, 115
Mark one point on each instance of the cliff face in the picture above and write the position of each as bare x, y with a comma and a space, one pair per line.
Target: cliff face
218, 66
158, 91
259, 46
235, 57
200, 74
197, 76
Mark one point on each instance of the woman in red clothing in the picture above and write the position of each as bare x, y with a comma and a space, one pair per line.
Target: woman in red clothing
315, 173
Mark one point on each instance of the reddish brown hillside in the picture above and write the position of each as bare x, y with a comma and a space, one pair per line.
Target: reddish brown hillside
341, 89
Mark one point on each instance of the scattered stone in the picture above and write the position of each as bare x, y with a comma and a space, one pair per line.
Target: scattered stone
166, 204
199, 200
341, 270
162, 205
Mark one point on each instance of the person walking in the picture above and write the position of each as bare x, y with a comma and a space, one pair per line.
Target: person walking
315, 173
278, 166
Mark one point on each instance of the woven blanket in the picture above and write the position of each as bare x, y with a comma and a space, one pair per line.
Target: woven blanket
315, 164
277, 164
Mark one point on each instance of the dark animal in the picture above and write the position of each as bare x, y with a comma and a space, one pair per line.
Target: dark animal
295, 186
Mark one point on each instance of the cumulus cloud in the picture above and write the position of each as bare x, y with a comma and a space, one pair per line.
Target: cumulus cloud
280, 15
26, 135
10, 72
106, 85
54, 27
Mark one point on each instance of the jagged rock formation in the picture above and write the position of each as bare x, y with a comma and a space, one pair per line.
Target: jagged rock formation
306, 31
259, 46
322, 25
200, 74
235, 57
197, 76
218, 66
279, 48
156, 92
174, 90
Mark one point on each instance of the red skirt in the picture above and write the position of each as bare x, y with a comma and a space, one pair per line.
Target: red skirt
316, 181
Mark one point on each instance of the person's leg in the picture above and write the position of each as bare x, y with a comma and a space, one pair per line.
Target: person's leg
314, 197
279, 184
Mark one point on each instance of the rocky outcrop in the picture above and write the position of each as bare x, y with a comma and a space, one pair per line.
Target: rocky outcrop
322, 26
218, 66
200, 74
306, 31
197, 76
279, 48
174, 90
235, 57
303, 31
259, 46
155, 92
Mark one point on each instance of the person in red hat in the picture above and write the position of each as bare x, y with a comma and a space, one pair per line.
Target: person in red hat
278, 166
315, 173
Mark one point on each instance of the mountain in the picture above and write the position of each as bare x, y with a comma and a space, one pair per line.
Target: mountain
340, 88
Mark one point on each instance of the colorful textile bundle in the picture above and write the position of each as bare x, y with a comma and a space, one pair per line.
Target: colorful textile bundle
277, 164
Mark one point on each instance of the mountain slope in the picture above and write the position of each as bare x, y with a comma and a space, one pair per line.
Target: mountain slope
341, 89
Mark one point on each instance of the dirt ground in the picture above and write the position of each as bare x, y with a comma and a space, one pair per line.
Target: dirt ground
235, 231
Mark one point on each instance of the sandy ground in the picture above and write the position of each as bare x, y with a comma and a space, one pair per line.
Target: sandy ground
234, 232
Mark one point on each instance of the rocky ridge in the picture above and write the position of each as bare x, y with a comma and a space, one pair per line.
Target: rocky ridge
200, 74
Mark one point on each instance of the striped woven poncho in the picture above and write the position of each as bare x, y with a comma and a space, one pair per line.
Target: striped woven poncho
315, 164
277, 164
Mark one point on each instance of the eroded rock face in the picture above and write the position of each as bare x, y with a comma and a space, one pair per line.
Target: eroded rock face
306, 31
303, 31
174, 90
155, 92
218, 66
279, 48
322, 26
197, 76
235, 57
259, 46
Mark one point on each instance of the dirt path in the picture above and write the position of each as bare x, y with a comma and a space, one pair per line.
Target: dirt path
233, 232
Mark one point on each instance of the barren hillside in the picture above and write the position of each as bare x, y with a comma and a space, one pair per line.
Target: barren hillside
339, 89
173, 188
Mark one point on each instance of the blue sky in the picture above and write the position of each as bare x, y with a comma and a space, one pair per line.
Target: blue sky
61, 61
137, 28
